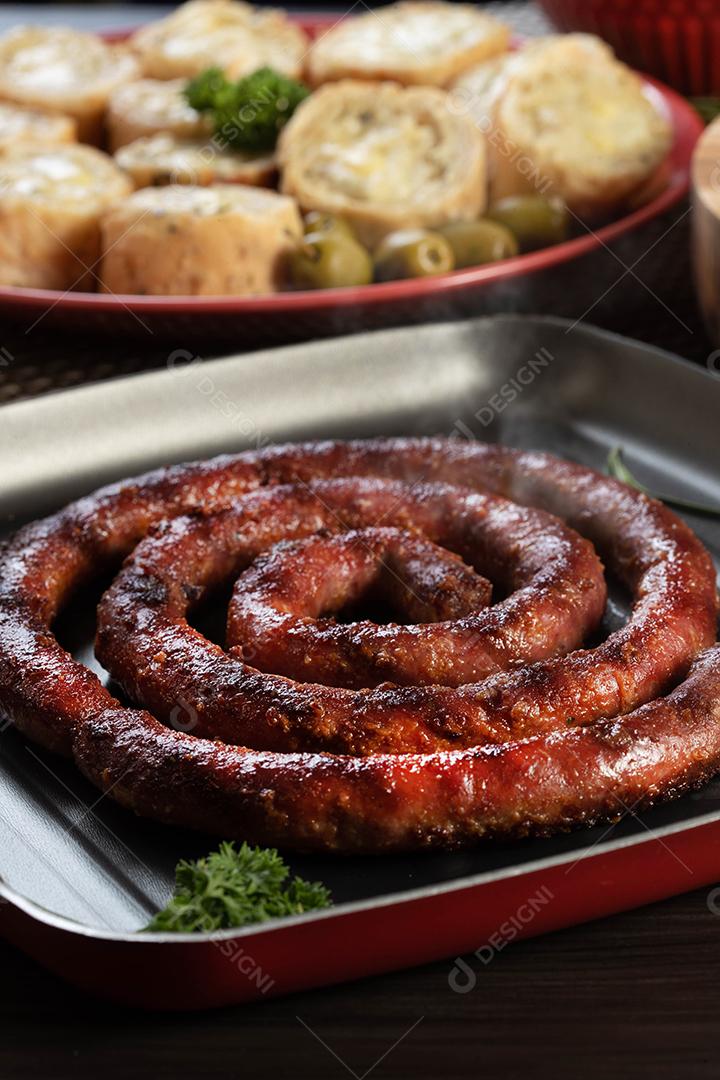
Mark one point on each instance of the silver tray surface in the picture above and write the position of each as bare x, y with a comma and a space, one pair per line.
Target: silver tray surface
527, 381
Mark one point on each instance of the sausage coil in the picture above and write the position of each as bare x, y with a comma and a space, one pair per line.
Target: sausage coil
317, 728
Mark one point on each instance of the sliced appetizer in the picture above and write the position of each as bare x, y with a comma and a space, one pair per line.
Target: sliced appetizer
567, 119
424, 43
50, 206
149, 106
383, 157
478, 89
225, 240
65, 71
165, 159
223, 33
30, 127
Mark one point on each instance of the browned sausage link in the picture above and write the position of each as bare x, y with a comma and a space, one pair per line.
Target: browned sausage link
278, 614
147, 646
541, 784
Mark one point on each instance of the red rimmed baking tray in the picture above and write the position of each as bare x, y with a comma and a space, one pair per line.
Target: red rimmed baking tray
513, 284
80, 876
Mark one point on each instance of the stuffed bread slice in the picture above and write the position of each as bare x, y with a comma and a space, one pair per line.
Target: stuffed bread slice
383, 157
417, 43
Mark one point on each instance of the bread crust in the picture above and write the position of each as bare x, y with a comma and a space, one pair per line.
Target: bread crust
224, 33
223, 240
416, 43
20, 126
384, 157
564, 117
50, 206
164, 159
60, 70
146, 107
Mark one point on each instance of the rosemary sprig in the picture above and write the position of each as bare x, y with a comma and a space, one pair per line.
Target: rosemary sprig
617, 468
708, 107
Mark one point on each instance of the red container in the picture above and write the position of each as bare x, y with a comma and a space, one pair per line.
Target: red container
79, 875
678, 41
519, 283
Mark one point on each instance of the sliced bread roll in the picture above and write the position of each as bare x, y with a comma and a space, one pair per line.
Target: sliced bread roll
30, 127
164, 159
149, 106
478, 89
225, 240
51, 201
220, 33
63, 71
383, 157
564, 117
416, 42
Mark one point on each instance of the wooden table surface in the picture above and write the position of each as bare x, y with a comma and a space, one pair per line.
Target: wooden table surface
635, 995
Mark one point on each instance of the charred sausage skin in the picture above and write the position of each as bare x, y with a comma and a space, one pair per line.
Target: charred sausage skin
622, 747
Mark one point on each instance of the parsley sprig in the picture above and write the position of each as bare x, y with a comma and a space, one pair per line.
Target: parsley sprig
236, 886
250, 113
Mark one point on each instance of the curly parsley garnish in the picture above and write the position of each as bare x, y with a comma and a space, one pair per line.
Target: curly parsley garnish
250, 113
236, 886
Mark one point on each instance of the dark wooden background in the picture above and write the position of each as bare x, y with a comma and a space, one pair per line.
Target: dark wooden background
635, 995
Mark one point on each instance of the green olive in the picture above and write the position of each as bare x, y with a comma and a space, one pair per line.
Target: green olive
330, 260
413, 253
317, 221
476, 242
536, 221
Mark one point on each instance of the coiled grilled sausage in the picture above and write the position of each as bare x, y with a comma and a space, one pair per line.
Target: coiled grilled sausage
585, 735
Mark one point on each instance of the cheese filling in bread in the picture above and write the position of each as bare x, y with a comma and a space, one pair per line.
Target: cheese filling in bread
190, 241
478, 90
20, 126
392, 159
223, 33
150, 106
50, 206
384, 157
62, 70
422, 43
564, 117
165, 159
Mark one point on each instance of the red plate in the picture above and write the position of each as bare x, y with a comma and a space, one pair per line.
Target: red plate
301, 315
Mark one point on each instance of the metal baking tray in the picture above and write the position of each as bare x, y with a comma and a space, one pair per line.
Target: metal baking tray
79, 876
